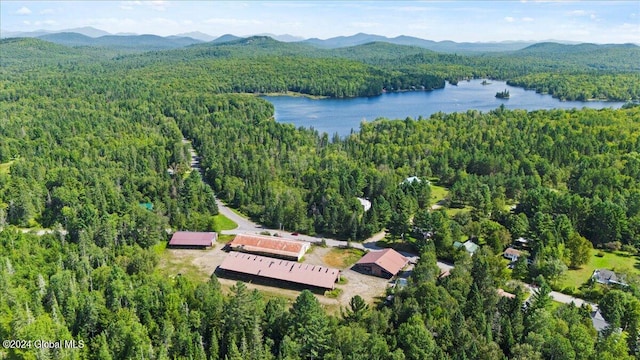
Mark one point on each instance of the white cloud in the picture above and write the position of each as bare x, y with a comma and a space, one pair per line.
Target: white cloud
527, 19
23, 11
47, 11
509, 19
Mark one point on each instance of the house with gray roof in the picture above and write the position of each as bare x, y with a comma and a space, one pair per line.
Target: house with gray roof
608, 277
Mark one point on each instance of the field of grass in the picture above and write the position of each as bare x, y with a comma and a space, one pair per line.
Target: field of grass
342, 258
438, 193
223, 239
618, 261
222, 222
453, 211
170, 266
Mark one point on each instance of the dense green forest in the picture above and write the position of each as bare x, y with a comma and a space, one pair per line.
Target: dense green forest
87, 138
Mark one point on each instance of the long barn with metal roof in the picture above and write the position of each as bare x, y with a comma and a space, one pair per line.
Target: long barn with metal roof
270, 268
270, 246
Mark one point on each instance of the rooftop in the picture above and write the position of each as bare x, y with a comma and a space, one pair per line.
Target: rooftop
192, 238
305, 274
468, 245
388, 259
599, 323
411, 179
270, 245
605, 276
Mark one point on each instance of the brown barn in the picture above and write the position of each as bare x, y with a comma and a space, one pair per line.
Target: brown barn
385, 263
192, 240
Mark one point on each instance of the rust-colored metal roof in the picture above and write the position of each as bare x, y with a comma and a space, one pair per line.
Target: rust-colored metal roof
300, 273
269, 245
191, 238
388, 259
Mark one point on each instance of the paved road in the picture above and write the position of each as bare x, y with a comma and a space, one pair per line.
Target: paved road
565, 299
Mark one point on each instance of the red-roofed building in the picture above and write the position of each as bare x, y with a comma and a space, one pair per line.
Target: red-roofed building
315, 276
385, 263
270, 246
192, 239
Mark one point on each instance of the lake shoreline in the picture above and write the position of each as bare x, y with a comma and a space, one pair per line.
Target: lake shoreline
342, 115
294, 95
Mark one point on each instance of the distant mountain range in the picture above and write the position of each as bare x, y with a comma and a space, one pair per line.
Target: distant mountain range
142, 42
88, 36
439, 46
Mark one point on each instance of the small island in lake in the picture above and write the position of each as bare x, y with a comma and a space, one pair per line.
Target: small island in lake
485, 82
503, 94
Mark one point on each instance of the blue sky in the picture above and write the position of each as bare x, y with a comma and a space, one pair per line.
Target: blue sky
583, 21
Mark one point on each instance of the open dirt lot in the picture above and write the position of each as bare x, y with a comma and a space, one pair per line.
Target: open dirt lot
200, 264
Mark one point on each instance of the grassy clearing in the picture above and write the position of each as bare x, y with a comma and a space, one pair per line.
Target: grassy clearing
159, 248
265, 294
453, 211
170, 266
342, 258
222, 222
223, 239
618, 262
438, 193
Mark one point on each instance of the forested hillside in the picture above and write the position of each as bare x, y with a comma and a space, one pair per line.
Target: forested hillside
87, 140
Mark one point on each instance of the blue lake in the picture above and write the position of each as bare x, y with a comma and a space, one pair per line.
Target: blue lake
342, 115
